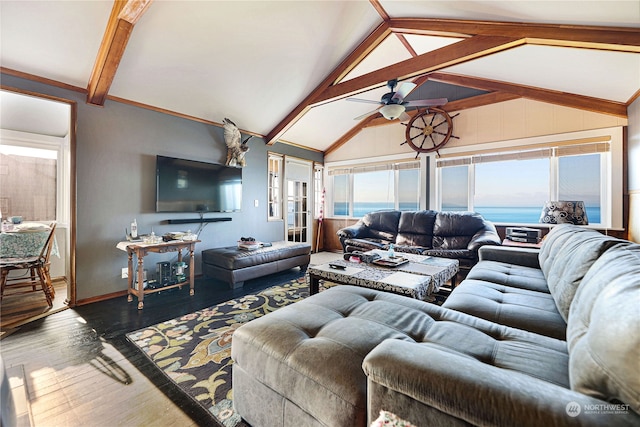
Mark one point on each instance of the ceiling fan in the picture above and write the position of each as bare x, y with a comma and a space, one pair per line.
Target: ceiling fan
393, 105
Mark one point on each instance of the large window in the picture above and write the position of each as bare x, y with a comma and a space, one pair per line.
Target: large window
361, 189
511, 187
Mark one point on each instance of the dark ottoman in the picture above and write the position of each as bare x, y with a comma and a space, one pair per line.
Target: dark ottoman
234, 265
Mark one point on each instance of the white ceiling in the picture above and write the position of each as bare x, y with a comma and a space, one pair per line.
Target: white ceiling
34, 115
255, 61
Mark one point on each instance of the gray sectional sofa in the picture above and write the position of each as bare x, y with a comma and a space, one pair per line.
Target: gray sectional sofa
529, 338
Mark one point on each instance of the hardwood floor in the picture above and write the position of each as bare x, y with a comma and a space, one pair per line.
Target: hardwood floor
80, 370
21, 304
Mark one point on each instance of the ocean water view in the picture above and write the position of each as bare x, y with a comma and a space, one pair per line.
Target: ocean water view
361, 209
526, 215
497, 214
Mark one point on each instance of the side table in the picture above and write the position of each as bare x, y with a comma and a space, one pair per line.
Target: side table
140, 250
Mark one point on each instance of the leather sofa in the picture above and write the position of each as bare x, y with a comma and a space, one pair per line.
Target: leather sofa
456, 235
530, 338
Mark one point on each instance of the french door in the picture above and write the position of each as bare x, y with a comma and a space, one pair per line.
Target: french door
298, 200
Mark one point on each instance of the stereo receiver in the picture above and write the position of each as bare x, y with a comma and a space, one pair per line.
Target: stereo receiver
523, 234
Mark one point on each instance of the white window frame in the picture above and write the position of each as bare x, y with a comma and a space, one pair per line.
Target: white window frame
611, 170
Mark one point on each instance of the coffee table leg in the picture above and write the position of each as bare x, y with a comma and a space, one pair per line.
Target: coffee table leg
314, 284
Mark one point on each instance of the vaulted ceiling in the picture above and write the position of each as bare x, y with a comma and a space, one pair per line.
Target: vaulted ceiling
283, 70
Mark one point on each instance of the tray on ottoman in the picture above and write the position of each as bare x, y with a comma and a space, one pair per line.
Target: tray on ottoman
234, 265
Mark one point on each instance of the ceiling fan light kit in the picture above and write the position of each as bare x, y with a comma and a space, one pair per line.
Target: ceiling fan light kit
392, 111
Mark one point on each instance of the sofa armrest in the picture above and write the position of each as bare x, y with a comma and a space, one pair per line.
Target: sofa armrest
459, 387
484, 237
353, 232
526, 257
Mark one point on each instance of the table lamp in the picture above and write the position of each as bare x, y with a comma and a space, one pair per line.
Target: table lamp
564, 212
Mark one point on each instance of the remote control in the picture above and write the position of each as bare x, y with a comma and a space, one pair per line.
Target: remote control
337, 266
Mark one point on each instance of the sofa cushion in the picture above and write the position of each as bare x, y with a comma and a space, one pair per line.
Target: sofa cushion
516, 276
565, 257
416, 229
382, 225
515, 307
451, 231
603, 329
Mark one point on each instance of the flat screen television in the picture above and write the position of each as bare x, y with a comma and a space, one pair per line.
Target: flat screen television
193, 186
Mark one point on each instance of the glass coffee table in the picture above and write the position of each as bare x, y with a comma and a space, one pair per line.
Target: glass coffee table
419, 277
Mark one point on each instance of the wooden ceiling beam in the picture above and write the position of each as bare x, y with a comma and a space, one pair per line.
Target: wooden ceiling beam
582, 102
462, 51
124, 15
624, 39
367, 46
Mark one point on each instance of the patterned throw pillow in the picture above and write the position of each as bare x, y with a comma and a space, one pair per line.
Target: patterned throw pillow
388, 419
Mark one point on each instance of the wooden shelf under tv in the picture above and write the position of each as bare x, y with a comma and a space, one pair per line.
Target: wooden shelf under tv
191, 220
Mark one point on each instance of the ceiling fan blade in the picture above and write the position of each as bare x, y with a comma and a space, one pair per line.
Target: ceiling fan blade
366, 101
426, 102
404, 90
404, 117
366, 114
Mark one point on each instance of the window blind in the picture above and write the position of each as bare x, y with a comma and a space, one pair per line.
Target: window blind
538, 151
374, 167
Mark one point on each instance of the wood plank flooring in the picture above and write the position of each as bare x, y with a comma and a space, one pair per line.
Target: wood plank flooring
21, 304
80, 370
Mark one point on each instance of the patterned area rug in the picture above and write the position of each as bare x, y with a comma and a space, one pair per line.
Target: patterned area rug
194, 350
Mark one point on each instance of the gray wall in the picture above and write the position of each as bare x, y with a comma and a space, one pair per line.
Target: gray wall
116, 149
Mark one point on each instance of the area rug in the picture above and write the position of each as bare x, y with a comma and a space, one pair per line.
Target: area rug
194, 350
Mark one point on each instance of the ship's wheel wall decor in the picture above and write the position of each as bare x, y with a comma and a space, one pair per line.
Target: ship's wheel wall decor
429, 130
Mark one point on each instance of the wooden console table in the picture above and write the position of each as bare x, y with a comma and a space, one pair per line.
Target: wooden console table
140, 250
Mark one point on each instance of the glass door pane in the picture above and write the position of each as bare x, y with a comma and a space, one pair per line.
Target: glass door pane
297, 211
